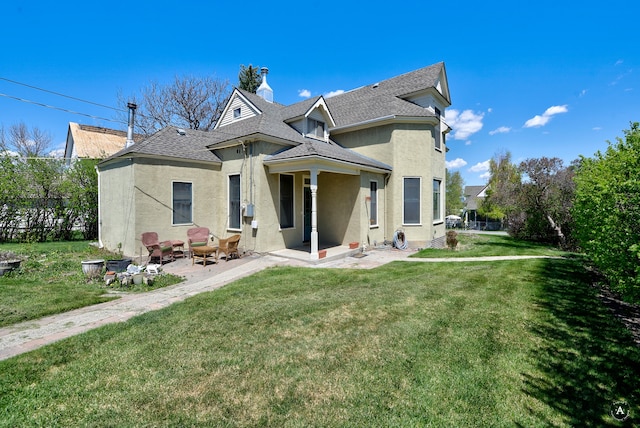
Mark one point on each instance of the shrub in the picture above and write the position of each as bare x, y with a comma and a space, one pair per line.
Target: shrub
452, 239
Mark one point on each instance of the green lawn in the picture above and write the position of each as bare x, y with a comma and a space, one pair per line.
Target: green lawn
480, 245
51, 281
509, 343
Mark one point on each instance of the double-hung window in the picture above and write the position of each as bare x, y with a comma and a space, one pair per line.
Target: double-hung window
411, 200
373, 203
437, 197
286, 201
437, 135
234, 202
182, 200
315, 128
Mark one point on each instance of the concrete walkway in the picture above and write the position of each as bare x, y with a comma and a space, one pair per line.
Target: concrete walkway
30, 335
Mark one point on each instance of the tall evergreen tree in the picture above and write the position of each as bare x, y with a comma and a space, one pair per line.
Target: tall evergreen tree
249, 78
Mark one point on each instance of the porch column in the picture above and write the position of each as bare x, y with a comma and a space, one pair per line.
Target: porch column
314, 214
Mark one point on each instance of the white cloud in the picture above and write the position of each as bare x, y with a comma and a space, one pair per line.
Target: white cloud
57, 153
486, 176
334, 93
456, 163
304, 93
480, 167
583, 92
597, 128
464, 124
501, 130
618, 62
541, 120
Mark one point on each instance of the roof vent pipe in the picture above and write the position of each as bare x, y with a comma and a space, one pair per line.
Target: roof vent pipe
132, 113
264, 90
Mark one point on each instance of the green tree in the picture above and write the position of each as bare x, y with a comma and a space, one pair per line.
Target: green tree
501, 201
546, 197
606, 211
454, 193
13, 182
249, 78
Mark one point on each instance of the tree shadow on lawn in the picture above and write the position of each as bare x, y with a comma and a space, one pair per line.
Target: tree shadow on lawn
586, 358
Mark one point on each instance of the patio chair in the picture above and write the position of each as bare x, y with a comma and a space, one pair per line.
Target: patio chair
197, 237
163, 251
229, 247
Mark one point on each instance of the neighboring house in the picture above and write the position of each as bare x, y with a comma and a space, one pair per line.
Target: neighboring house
93, 142
355, 167
473, 197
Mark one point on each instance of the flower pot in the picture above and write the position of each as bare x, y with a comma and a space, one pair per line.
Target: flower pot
92, 268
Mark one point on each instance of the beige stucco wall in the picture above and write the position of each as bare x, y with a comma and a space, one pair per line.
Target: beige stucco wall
409, 149
117, 206
127, 209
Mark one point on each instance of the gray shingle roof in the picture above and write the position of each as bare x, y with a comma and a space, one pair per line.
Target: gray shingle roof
384, 98
471, 196
330, 151
168, 142
360, 105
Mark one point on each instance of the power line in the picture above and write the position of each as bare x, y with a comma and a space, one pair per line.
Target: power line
61, 95
61, 109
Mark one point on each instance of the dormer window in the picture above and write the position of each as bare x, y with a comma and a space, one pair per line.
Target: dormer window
237, 113
315, 128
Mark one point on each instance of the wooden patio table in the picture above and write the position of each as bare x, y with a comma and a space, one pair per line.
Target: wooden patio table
204, 253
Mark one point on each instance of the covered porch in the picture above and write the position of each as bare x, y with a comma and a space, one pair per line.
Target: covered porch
329, 253
331, 194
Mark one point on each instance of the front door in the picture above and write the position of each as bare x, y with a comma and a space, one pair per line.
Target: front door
307, 210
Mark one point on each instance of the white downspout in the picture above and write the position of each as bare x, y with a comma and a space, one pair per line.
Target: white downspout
100, 244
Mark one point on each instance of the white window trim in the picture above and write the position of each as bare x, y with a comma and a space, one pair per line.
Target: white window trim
441, 219
293, 213
229, 200
420, 206
377, 223
173, 208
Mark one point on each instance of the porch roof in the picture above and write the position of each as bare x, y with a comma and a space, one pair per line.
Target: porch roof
331, 152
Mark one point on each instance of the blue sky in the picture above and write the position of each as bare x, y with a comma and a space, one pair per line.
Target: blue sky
550, 78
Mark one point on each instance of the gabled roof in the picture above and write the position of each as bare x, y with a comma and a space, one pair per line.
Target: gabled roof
329, 151
387, 98
270, 123
187, 144
94, 142
304, 108
472, 194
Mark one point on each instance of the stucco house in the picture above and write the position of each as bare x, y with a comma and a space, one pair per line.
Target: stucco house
355, 167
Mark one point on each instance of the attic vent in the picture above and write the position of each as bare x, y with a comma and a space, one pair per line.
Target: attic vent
181, 131
375, 85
